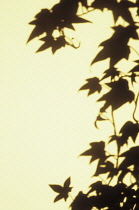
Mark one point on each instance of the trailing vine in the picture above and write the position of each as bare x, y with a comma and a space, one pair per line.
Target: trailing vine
120, 87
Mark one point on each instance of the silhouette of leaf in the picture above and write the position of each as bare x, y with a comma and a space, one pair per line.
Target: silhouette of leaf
112, 73
95, 187
122, 9
58, 43
48, 42
96, 152
131, 158
93, 85
55, 44
130, 129
119, 9
63, 191
41, 22
116, 47
104, 167
117, 96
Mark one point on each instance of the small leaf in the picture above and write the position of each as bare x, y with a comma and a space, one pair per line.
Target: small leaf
92, 85
63, 191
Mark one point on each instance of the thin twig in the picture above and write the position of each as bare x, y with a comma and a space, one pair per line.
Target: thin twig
113, 122
134, 50
136, 102
86, 12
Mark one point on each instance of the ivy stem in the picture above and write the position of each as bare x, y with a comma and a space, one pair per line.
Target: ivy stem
115, 133
71, 197
113, 122
134, 50
136, 102
88, 11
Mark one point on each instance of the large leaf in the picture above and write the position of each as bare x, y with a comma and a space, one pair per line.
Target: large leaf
119, 9
116, 48
117, 96
131, 158
97, 151
130, 129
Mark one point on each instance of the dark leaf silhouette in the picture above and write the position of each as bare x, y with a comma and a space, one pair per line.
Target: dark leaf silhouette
92, 85
96, 152
131, 158
119, 9
55, 44
117, 96
112, 73
63, 191
130, 129
104, 167
116, 47
41, 22
122, 10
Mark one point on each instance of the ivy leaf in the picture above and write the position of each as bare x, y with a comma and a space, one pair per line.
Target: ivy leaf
116, 48
104, 168
117, 96
111, 72
55, 44
95, 187
63, 191
48, 42
131, 158
133, 78
130, 129
120, 140
58, 43
96, 152
92, 85
41, 24
122, 10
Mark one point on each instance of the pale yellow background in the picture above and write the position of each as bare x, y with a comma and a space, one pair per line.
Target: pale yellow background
45, 123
